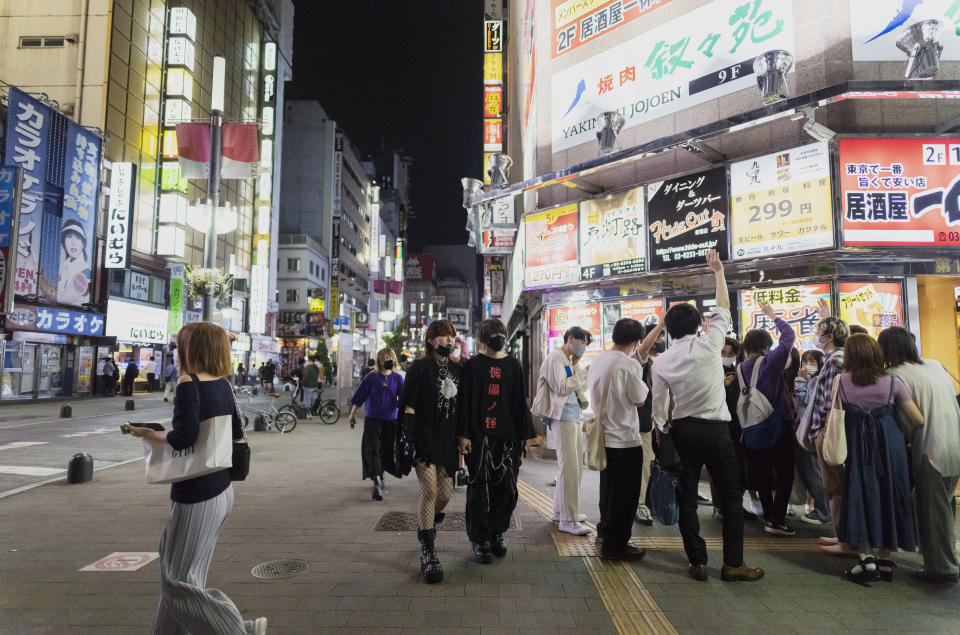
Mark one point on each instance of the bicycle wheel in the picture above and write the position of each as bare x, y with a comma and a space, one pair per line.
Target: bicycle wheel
292, 409
329, 413
285, 422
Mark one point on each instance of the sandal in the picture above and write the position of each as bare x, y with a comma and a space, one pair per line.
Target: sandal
865, 571
885, 569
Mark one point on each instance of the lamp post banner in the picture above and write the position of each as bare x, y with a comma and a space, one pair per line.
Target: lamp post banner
77, 232
706, 53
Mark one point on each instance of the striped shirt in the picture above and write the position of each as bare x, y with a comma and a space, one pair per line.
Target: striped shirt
832, 366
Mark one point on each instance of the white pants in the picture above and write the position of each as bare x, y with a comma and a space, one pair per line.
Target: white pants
647, 444
570, 443
168, 388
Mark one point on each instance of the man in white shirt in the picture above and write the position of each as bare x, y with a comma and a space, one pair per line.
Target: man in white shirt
151, 369
616, 386
688, 393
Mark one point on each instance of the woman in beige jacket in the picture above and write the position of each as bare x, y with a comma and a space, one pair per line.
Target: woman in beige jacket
560, 402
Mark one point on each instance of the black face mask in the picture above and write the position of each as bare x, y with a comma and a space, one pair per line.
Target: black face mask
660, 347
388, 364
497, 342
444, 351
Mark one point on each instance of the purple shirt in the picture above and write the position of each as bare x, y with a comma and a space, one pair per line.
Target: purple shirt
770, 381
380, 393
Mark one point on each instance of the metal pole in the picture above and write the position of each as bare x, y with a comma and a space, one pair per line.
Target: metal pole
213, 196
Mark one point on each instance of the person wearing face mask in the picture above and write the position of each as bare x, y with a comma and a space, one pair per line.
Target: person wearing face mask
557, 403
808, 468
428, 440
493, 426
831, 336
378, 394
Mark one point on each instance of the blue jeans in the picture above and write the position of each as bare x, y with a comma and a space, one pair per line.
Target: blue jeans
309, 397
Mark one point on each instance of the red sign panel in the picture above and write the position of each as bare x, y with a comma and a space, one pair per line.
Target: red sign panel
901, 192
588, 316
493, 134
420, 268
552, 247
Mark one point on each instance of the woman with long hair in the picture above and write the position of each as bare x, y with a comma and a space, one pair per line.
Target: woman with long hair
876, 511
429, 402
200, 505
378, 393
936, 452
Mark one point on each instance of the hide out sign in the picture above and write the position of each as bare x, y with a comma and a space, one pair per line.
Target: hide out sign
688, 216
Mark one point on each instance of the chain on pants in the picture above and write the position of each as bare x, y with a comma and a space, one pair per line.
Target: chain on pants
435, 491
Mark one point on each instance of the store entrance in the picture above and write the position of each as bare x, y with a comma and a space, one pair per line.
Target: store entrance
938, 300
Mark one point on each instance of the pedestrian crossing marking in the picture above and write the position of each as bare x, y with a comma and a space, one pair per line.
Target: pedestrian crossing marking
21, 444
29, 470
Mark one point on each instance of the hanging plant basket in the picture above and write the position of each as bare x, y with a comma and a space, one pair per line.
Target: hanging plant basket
210, 281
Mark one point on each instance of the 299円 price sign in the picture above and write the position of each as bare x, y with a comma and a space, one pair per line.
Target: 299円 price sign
782, 203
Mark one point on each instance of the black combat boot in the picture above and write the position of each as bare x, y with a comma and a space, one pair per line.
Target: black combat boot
429, 563
377, 493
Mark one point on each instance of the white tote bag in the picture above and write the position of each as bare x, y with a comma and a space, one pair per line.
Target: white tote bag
212, 451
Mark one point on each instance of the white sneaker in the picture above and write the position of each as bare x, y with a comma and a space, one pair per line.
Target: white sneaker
756, 507
580, 517
260, 626
574, 528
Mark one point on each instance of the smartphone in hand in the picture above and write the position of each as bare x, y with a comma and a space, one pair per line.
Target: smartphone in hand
153, 426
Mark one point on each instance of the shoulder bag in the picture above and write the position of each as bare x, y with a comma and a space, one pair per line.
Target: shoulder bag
240, 466
803, 428
211, 452
835, 433
596, 451
661, 497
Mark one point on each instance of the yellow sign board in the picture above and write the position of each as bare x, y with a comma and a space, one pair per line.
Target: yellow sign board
492, 68
315, 305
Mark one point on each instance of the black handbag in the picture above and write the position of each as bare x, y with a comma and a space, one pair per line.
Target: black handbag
240, 467
667, 455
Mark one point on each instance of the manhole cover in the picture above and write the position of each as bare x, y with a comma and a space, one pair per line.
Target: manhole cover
408, 521
276, 569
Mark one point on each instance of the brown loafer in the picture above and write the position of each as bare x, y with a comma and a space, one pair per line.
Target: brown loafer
743, 573
629, 553
698, 572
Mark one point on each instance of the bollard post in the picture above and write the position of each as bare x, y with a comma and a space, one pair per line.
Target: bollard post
80, 468
66, 412
128, 404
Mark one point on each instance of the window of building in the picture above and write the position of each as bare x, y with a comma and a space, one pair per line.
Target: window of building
38, 42
293, 264
311, 267
293, 295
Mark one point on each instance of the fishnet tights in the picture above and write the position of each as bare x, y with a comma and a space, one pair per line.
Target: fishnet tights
435, 491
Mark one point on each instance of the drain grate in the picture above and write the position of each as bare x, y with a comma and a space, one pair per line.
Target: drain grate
277, 569
408, 521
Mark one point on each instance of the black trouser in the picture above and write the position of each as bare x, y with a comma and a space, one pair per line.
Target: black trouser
126, 387
378, 438
151, 382
772, 471
620, 486
492, 491
735, 434
700, 442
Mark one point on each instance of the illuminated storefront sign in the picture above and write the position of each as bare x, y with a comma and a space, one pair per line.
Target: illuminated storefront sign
120, 215
589, 317
270, 57
176, 111
492, 101
798, 305
493, 36
576, 22
688, 216
182, 22
613, 241
551, 247
901, 192
168, 149
492, 68
180, 52
50, 320
171, 177
78, 229
873, 305
647, 312
136, 323
259, 281
701, 55
493, 134
782, 202
179, 83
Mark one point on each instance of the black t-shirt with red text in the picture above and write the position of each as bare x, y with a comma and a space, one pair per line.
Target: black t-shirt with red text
493, 400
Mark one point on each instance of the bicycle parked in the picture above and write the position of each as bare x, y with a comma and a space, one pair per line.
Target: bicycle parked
326, 409
282, 420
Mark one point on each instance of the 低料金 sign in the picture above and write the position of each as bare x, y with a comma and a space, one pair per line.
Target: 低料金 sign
588, 316
612, 240
797, 304
873, 305
551, 247
901, 192
782, 203
687, 217
647, 312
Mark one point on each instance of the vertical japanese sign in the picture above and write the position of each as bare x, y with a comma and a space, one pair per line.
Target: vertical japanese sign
28, 136
120, 215
873, 305
77, 232
876, 25
647, 312
589, 317
612, 236
335, 234
688, 216
795, 304
9, 204
175, 317
782, 202
705, 54
576, 22
551, 247
900, 192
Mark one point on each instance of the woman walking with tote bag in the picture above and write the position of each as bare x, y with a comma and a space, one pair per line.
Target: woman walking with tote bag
200, 505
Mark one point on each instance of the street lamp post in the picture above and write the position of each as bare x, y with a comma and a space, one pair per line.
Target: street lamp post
213, 181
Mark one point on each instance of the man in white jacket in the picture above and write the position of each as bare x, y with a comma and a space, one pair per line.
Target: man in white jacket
559, 402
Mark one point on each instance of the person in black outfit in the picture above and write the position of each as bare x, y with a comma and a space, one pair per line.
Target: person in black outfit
493, 425
371, 366
428, 439
200, 505
129, 375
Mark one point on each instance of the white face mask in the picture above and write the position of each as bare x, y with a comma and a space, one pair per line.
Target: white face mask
812, 369
729, 361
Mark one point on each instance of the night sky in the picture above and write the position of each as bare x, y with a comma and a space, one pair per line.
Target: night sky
401, 75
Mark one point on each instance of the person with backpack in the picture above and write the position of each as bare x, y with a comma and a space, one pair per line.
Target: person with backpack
129, 376
766, 418
690, 410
